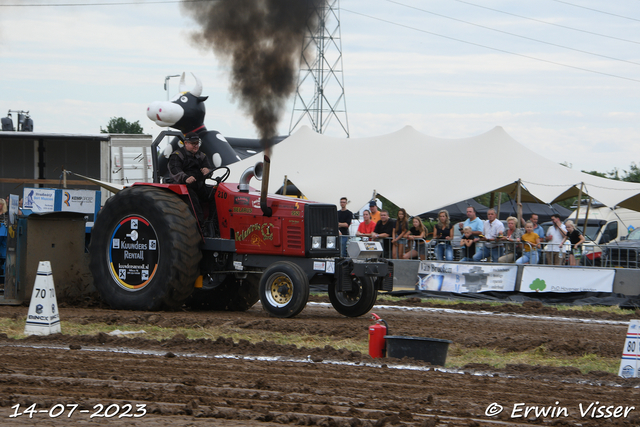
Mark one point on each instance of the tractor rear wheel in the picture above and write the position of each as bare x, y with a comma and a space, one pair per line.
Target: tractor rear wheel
356, 302
145, 250
284, 289
231, 295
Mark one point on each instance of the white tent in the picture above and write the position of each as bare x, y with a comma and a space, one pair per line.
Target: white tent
422, 173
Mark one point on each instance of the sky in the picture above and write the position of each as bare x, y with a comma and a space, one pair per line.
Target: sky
561, 77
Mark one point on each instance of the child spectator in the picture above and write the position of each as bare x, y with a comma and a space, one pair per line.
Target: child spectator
531, 244
416, 235
468, 244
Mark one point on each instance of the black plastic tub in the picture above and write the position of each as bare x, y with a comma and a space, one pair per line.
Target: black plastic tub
432, 350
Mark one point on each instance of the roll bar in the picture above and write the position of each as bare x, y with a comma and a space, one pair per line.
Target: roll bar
154, 149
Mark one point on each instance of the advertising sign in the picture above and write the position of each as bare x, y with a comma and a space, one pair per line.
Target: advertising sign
39, 199
574, 279
631, 351
83, 201
466, 278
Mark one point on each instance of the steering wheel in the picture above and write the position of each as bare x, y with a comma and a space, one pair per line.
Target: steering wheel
219, 179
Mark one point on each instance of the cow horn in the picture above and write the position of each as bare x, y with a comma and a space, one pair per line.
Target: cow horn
197, 89
181, 87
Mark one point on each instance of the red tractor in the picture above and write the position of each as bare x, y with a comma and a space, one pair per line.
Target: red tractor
147, 252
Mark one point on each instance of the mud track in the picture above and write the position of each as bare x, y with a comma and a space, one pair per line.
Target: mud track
224, 383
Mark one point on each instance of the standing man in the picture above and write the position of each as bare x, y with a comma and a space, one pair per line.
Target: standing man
375, 213
555, 236
476, 224
492, 229
384, 230
188, 165
344, 221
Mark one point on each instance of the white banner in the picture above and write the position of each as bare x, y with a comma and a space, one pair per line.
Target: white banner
83, 201
466, 278
38, 200
631, 351
566, 279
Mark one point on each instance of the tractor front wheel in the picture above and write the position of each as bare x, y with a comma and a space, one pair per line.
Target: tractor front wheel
284, 289
356, 302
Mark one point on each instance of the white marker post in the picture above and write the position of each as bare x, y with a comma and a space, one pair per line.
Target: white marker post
631, 351
43, 317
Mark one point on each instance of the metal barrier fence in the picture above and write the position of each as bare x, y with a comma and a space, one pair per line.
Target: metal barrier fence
548, 253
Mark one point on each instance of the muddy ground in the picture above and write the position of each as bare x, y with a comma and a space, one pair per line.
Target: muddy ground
219, 382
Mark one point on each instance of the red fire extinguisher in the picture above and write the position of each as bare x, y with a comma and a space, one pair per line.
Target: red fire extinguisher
377, 331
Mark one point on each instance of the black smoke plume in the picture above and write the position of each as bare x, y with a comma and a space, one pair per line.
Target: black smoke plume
262, 41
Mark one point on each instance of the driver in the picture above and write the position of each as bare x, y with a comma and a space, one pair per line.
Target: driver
188, 165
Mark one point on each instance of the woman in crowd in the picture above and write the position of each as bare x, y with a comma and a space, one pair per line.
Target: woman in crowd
3, 211
416, 235
400, 231
531, 244
443, 233
367, 226
576, 238
511, 236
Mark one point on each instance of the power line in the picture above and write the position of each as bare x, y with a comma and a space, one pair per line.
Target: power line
122, 3
492, 48
514, 35
597, 10
548, 23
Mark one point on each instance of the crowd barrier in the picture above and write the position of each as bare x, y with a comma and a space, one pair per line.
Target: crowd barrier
588, 256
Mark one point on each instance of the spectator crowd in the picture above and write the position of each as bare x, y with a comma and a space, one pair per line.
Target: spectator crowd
489, 240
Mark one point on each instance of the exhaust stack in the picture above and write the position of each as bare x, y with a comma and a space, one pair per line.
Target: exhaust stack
266, 210
253, 171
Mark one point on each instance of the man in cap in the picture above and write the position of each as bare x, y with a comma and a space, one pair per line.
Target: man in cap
375, 213
188, 165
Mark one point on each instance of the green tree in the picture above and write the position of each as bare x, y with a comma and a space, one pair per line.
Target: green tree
633, 174
121, 125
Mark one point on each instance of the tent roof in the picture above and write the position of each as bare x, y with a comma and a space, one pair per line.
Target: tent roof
400, 166
543, 211
457, 211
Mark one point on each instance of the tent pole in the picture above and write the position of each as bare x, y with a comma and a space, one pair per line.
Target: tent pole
499, 203
586, 217
286, 181
519, 201
492, 200
579, 203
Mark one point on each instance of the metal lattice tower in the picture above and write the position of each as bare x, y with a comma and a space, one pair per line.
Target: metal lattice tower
320, 93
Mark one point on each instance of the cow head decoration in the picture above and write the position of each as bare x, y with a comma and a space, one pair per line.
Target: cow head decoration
184, 112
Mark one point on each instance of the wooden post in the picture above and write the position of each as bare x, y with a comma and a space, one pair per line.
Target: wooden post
286, 181
579, 203
519, 201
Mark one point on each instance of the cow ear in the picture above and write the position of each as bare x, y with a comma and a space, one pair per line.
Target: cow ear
202, 98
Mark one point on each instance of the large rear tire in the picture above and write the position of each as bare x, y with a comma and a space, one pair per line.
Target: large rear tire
356, 302
145, 250
284, 289
231, 295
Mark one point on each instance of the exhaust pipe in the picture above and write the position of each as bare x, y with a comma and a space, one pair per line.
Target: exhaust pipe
266, 210
246, 176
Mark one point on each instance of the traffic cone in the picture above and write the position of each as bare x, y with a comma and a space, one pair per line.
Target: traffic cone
43, 317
